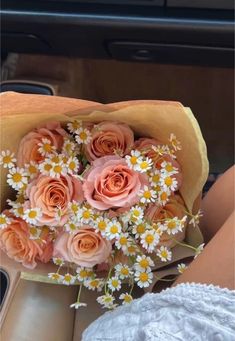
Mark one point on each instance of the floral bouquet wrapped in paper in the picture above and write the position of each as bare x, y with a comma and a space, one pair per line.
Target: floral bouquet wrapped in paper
108, 194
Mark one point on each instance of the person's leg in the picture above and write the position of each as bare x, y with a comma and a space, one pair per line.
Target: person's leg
215, 265
218, 204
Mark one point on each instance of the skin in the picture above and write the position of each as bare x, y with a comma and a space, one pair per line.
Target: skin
216, 264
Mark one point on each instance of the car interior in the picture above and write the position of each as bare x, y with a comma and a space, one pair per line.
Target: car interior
108, 51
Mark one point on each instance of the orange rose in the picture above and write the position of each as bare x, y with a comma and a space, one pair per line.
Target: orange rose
15, 242
110, 183
84, 248
28, 147
108, 138
173, 208
49, 194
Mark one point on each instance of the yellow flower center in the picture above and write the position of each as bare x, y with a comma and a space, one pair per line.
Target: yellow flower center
144, 165
136, 213
114, 229
55, 159
123, 241
72, 165
131, 249
163, 196
133, 160
83, 274
33, 231
47, 167
147, 195
168, 181
67, 278
140, 229
169, 167
83, 135
144, 277
57, 169
149, 238
144, 263
124, 271
55, 277
86, 215
32, 169
127, 298
76, 125
156, 178
72, 226
6, 159
74, 208
164, 254
115, 283
101, 225
32, 214
171, 224
47, 147
94, 283
17, 177
2, 220
20, 210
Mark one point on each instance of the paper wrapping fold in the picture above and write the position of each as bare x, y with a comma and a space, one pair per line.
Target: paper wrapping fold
158, 119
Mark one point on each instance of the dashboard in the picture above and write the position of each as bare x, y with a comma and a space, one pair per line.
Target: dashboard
197, 32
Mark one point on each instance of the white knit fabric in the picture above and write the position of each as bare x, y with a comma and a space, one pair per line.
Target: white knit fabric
187, 312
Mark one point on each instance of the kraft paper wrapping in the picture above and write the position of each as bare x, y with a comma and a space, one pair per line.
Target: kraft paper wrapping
157, 119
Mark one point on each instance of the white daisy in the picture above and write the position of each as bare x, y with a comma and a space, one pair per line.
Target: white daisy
173, 226
143, 263
17, 178
72, 165
136, 214
32, 215
4, 221
58, 261
181, 267
71, 227
164, 254
34, 233
123, 241
77, 305
32, 169
149, 240
106, 300
85, 215
147, 195
126, 298
68, 147
94, 284
169, 183
144, 165
168, 168
17, 209
161, 149
45, 167
122, 271
134, 159
199, 250
154, 178
163, 197
84, 273
56, 277
174, 142
113, 229
196, 219
140, 228
7, 159
132, 250
114, 284
45, 147
83, 136
143, 278
73, 207
101, 224
57, 170
68, 279
74, 126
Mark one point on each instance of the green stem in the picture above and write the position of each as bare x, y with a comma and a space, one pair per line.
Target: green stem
79, 293
132, 285
106, 282
185, 245
165, 280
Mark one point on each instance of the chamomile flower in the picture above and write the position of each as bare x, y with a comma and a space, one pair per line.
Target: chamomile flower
45, 147
101, 224
126, 298
4, 221
143, 278
56, 277
106, 300
113, 229
122, 271
134, 159
149, 240
181, 267
147, 195
164, 254
71, 227
17, 209
161, 149
68, 147
45, 167
163, 197
83, 136
154, 178
168, 168
85, 214
59, 214
74, 207
136, 214
196, 218
132, 250
32, 169
7, 159
140, 228
144, 165
123, 241
94, 284
72, 165
17, 178
174, 142
74, 126
32, 215
68, 279
58, 261
84, 273
34, 233
173, 226
114, 284
77, 305
57, 170
143, 263
169, 183
199, 250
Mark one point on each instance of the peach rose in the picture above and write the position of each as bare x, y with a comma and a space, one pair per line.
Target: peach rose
108, 137
49, 193
84, 248
111, 183
28, 147
15, 242
145, 144
174, 208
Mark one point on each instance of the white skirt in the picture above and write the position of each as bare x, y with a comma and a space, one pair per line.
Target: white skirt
187, 312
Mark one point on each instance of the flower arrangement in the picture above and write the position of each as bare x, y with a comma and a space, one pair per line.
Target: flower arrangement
100, 200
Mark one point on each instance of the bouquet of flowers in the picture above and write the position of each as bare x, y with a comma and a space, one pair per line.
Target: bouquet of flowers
110, 196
